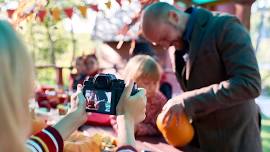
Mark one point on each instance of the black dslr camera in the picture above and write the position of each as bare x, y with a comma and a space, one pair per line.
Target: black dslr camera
103, 92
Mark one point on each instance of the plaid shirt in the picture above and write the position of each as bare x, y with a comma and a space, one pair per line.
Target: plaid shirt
153, 108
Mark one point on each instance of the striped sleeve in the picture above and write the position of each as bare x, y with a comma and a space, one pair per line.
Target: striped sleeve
47, 140
126, 148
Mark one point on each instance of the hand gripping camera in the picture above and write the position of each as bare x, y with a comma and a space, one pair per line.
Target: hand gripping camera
103, 92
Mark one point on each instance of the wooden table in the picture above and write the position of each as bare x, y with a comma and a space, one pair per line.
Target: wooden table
146, 144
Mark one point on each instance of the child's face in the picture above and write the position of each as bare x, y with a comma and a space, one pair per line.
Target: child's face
150, 86
91, 65
80, 66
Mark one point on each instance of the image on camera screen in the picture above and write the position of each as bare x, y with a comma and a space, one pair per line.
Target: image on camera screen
98, 101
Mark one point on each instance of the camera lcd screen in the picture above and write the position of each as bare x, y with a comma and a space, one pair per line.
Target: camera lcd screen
98, 101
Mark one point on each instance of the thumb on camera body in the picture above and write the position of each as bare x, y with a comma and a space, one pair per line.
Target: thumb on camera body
132, 106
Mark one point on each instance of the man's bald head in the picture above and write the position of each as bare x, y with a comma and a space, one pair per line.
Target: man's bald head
163, 24
156, 13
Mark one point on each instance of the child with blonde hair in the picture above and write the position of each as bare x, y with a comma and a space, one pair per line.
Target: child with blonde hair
146, 72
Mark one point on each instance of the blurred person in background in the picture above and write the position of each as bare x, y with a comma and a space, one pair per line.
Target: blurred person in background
92, 65
79, 76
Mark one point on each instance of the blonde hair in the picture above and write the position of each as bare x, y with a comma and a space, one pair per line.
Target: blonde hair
142, 67
16, 86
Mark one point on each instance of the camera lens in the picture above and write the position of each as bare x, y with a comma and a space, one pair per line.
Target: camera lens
102, 82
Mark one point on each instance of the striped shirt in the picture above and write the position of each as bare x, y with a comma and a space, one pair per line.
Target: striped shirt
126, 148
148, 127
47, 140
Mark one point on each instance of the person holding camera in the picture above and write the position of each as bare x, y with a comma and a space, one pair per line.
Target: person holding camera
17, 85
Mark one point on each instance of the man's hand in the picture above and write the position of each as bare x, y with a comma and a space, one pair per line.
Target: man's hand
173, 108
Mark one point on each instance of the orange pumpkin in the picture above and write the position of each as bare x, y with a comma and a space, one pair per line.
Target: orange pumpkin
177, 135
78, 142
